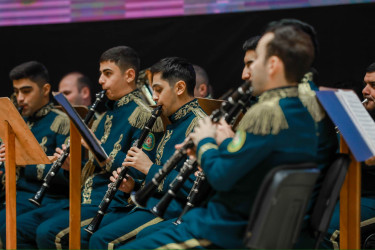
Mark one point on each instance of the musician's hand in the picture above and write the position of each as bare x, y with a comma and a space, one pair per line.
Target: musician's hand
137, 159
204, 129
190, 151
127, 184
2, 152
370, 161
224, 131
58, 153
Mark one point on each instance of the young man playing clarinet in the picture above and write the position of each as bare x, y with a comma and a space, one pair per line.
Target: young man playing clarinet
117, 129
173, 87
49, 126
277, 130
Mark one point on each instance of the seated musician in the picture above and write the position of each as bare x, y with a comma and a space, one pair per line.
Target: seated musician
331, 239
173, 86
49, 126
249, 48
277, 130
116, 129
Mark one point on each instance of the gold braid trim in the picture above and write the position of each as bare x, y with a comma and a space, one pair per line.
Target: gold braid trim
160, 149
95, 123
309, 100
188, 244
203, 149
199, 114
88, 169
142, 114
112, 155
61, 123
186, 109
140, 117
267, 117
107, 128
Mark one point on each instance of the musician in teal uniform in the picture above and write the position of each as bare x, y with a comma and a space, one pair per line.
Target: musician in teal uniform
50, 128
332, 237
173, 86
277, 130
116, 130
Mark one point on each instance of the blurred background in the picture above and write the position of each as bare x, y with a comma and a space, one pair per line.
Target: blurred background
70, 35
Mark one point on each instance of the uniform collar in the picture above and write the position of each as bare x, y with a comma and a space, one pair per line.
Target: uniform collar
41, 112
123, 100
184, 110
289, 91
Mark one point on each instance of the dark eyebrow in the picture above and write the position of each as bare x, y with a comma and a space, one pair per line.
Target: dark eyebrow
155, 84
24, 88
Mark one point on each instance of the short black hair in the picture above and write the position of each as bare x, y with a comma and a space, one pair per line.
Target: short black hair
295, 49
174, 69
124, 57
33, 70
251, 43
371, 68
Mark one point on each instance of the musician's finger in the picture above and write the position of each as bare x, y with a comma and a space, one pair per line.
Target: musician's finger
118, 170
131, 152
129, 164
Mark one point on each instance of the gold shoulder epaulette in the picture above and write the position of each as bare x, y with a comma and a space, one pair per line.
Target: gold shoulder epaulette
264, 118
199, 114
141, 115
96, 122
61, 123
309, 100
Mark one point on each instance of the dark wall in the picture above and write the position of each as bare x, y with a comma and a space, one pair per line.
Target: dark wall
346, 36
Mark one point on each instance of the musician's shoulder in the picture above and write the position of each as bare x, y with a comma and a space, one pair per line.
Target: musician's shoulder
307, 95
140, 116
60, 123
264, 118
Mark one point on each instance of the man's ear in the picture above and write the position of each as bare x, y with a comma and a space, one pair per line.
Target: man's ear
203, 90
129, 75
46, 89
180, 87
273, 64
85, 92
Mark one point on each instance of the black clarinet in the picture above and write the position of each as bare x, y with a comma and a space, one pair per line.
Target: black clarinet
187, 169
38, 197
201, 188
141, 197
198, 192
113, 187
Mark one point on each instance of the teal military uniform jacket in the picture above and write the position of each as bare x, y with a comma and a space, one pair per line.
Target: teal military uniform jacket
51, 128
277, 130
183, 122
117, 130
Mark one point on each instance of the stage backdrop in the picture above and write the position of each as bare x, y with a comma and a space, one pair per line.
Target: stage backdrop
26, 12
213, 41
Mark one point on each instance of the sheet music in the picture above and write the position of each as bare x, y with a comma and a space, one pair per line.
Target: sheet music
359, 116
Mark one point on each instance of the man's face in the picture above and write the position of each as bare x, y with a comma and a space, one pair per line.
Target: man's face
164, 95
68, 86
29, 96
112, 80
259, 66
369, 90
249, 58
